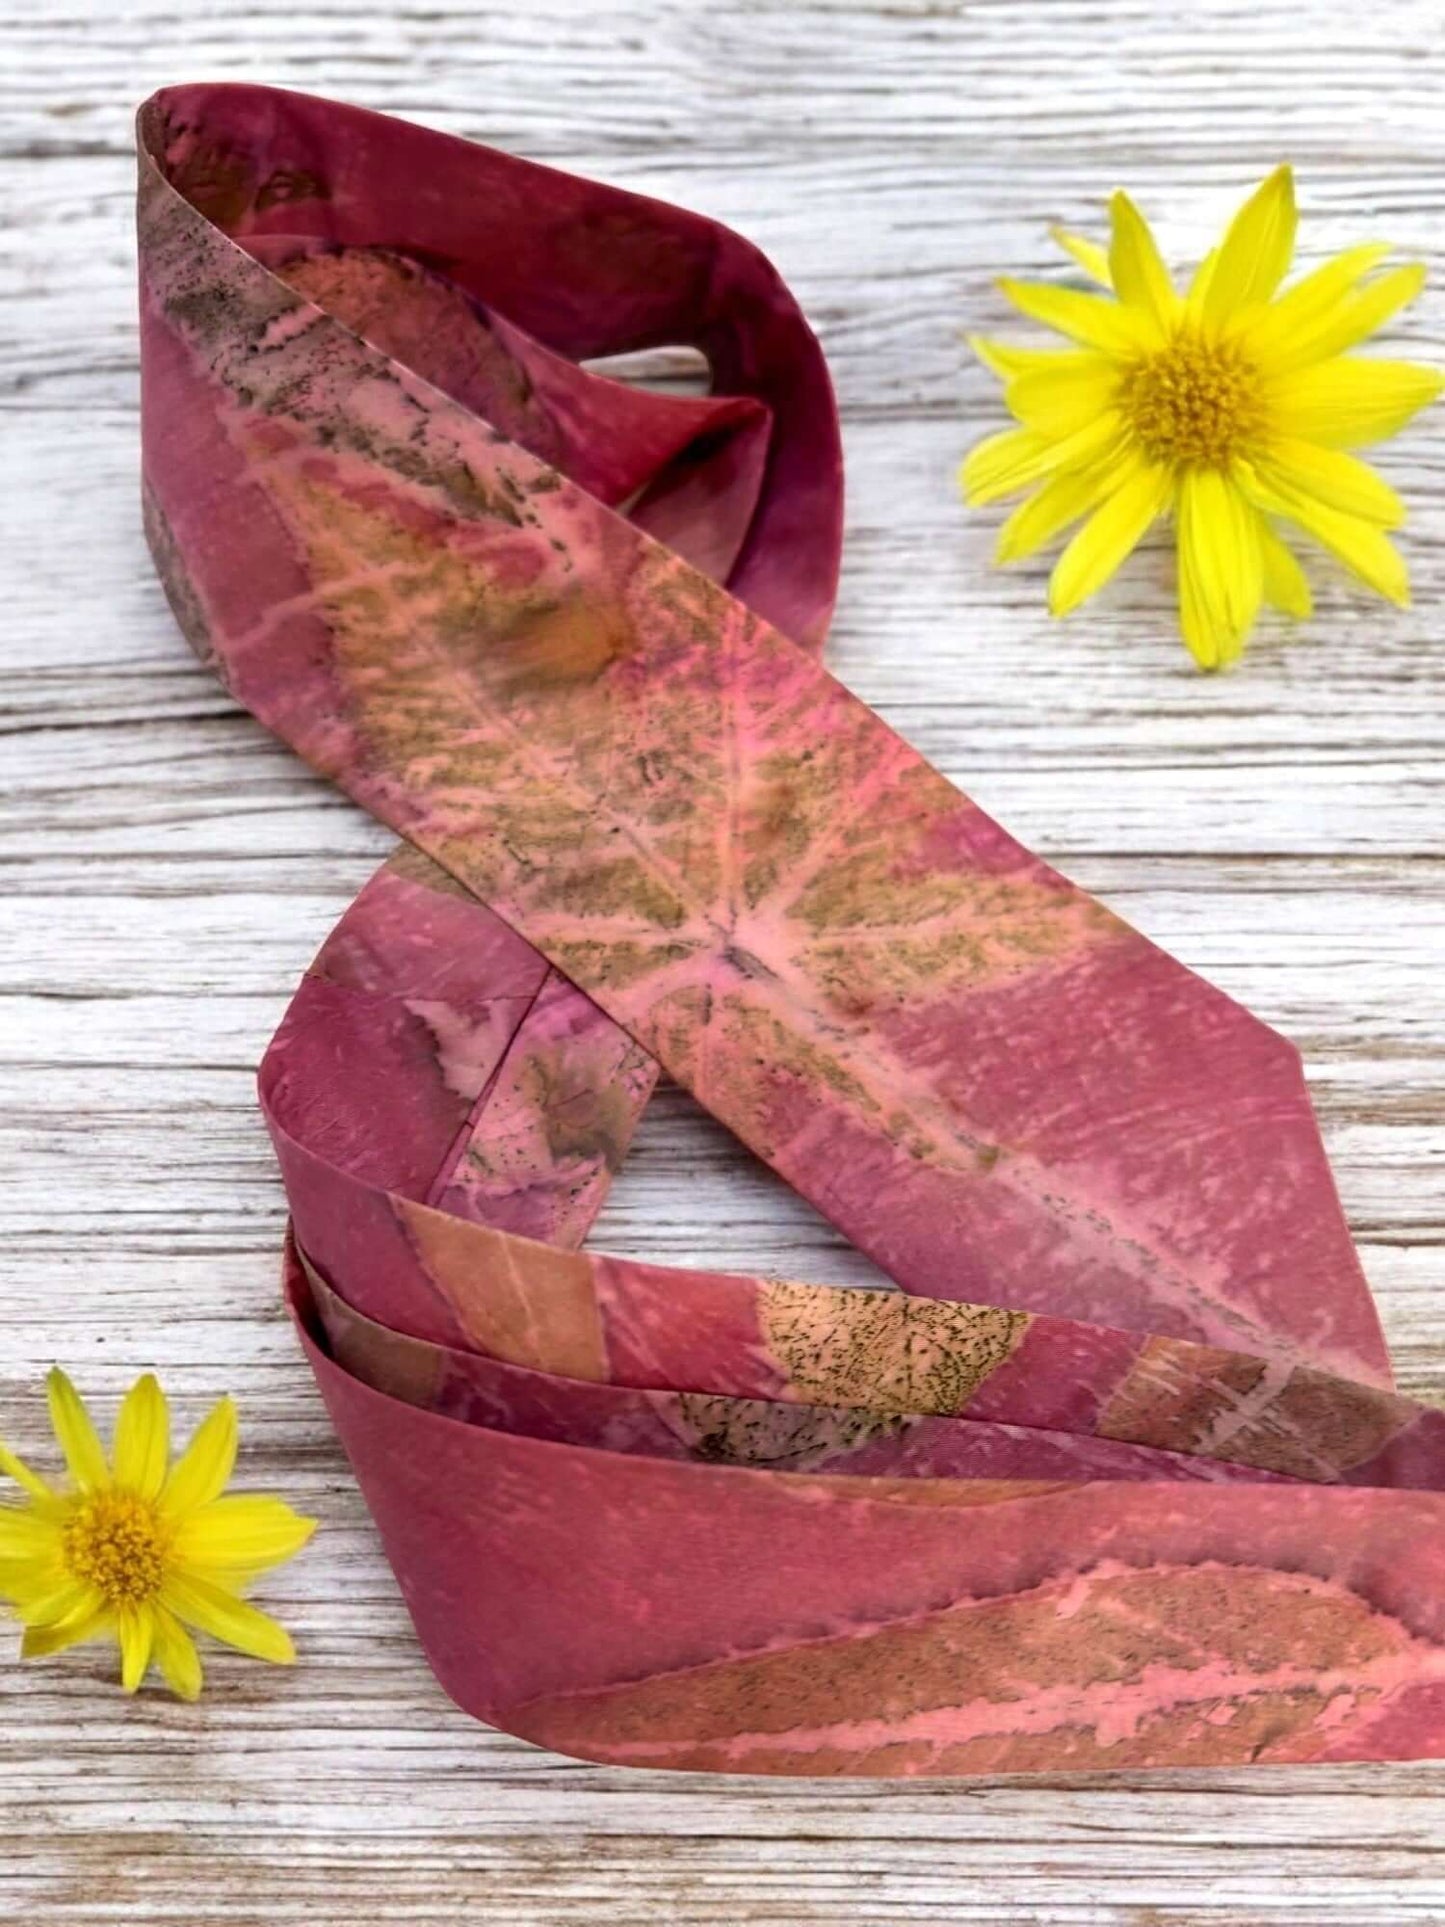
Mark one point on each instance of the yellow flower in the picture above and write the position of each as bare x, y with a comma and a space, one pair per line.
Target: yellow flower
136, 1549
1232, 406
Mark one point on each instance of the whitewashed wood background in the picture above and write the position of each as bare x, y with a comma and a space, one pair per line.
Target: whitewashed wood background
166, 871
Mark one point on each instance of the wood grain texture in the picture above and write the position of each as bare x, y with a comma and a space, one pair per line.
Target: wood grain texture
166, 872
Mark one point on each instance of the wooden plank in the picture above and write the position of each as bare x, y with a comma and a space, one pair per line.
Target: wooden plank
165, 873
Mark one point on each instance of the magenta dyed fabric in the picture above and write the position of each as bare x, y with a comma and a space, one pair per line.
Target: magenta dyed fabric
1116, 1476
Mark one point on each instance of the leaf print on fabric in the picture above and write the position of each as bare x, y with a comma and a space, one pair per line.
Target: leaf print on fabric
1103, 1669
887, 1350
698, 1518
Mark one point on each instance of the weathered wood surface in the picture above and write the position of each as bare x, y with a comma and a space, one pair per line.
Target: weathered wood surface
165, 873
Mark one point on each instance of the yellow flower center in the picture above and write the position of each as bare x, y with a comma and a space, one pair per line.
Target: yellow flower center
1195, 403
114, 1543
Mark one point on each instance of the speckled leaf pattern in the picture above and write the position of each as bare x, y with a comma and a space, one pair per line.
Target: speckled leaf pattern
563, 636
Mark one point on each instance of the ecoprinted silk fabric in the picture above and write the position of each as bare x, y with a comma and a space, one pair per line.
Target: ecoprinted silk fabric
1116, 1475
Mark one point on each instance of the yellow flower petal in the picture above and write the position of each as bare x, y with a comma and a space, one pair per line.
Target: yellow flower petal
1018, 457
1255, 253
1139, 275
27, 1534
1199, 287
14, 1467
1006, 361
54, 1599
30, 1565
211, 1609
1330, 476
1221, 570
1093, 259
1109, 535
29, 1586
1363, 547
1061, 500
1057, 401
41, 1641
15, 1573
1285, 586
1351, 401
241, 1532
176, 1655
1354, 317
75, 1432
143, 1439
1002, 464
135, 1629
203, 1469
1090, 319
1271, 330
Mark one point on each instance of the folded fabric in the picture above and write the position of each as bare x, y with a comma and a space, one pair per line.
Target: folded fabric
1116, 1476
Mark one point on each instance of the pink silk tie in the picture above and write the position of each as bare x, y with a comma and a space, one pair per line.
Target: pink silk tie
1116, 1475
